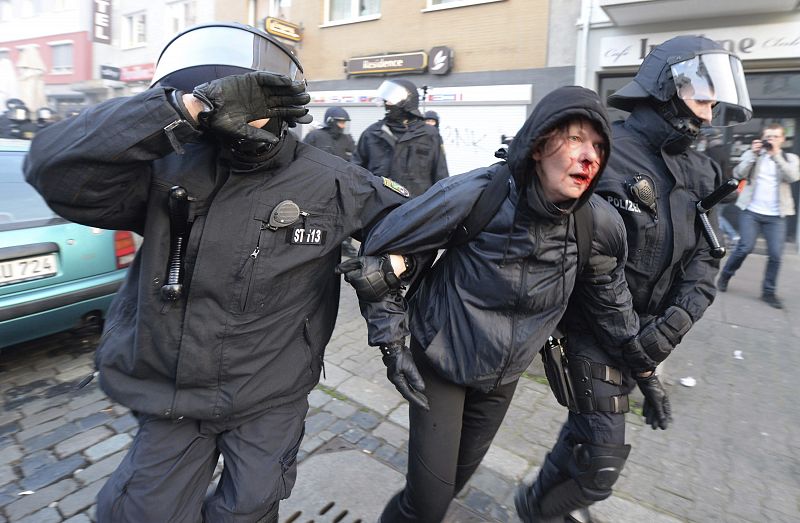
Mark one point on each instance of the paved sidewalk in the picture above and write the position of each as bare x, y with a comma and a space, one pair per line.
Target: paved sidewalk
732, 454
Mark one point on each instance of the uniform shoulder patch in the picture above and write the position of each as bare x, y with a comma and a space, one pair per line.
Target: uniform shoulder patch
396, 187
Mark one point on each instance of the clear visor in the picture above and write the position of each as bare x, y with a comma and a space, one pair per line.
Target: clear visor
392, 93
716, 78
228, 46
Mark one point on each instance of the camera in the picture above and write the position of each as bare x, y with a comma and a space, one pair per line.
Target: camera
767, 146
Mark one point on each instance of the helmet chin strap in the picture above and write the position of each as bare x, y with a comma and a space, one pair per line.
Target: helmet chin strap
680, 117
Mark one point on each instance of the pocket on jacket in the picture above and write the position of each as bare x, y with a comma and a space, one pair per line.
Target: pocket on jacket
288, 464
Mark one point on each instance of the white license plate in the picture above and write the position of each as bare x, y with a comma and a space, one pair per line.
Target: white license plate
24, 269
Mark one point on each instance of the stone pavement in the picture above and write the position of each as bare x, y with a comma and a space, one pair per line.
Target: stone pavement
732, 455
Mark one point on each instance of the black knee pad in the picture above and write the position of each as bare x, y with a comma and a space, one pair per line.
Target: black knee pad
599, 467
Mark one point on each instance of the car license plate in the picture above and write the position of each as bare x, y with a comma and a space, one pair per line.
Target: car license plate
23, 269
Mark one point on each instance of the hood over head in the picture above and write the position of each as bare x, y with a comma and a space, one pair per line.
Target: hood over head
561, 105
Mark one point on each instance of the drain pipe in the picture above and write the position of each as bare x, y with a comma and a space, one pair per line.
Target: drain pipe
582, 47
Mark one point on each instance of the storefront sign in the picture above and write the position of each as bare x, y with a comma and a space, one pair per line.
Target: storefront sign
388, 63
283, 29
137, 73
441, 60
109, 72
101, 21
471, 95
753, 42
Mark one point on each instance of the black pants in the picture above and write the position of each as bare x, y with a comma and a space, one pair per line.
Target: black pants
167, 471
599, 428
446, 444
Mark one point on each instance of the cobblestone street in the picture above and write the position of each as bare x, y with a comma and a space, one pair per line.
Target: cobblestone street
732, 455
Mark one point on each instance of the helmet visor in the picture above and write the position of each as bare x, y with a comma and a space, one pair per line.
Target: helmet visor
718, 78
392, 93
225, 46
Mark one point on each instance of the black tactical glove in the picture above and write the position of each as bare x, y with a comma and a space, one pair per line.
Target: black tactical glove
401, 370
657, 411
636, 358
236, 100
371, 276
658, 338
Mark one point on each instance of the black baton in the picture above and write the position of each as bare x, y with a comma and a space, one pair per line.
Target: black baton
178, 231
705, 205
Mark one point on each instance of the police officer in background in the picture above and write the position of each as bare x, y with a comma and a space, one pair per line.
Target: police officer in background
401, 146
217, 336
432, 118
331, 137
654, 179
16, 122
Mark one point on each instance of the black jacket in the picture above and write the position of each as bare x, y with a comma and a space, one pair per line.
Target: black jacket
486, 308
414, 159
669, 261
260, 305
332, 140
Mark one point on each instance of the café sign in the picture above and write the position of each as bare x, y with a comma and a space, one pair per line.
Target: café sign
415, 62
753, 42
283, 29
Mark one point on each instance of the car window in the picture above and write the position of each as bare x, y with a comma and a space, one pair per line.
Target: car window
20, 205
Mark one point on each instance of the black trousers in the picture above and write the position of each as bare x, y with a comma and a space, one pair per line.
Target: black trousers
166, 473
445, 445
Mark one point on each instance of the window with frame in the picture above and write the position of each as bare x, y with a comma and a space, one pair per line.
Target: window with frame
5, 54
351, 10
135, 30
182, 15
63, 57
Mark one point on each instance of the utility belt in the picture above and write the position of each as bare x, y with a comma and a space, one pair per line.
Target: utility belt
570, 380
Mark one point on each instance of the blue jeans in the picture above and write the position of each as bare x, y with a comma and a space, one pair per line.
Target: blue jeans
725, 225
774, 229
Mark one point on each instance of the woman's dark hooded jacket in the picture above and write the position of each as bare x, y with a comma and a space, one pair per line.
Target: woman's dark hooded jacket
487, 306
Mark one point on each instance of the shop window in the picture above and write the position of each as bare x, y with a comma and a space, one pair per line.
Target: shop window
63, 58
182, 15
134, 30
345, 11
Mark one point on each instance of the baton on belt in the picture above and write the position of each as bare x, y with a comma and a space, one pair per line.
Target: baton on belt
705, 205
178, 232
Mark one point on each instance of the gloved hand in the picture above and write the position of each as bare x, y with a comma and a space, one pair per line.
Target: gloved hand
657, 411
371, 276
636, 358
401, 370
239, 99
659, 337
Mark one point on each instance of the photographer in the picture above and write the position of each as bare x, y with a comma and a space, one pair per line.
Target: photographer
765, 202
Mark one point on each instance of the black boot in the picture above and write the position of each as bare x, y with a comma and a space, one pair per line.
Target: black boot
527, 506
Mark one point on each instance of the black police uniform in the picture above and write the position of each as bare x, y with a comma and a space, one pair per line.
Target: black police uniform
483, 312
333, 140
412, 155
247, 342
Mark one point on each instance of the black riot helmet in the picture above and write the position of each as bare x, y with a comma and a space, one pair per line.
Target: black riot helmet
210, 51
336, 113
402, 94
45, 115
689, 68
432, 115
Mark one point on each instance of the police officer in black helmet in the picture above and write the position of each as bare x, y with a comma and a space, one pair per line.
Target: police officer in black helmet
401, 146
218, 333
654, 180
331, 137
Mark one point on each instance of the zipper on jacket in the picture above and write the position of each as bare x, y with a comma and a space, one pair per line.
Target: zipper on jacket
513, 324
250, 263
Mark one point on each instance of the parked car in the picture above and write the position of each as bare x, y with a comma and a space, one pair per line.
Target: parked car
55, 275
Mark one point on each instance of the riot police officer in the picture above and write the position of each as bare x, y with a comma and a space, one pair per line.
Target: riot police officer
401, 146
16, 122
332, 137
654, 180
218, 334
